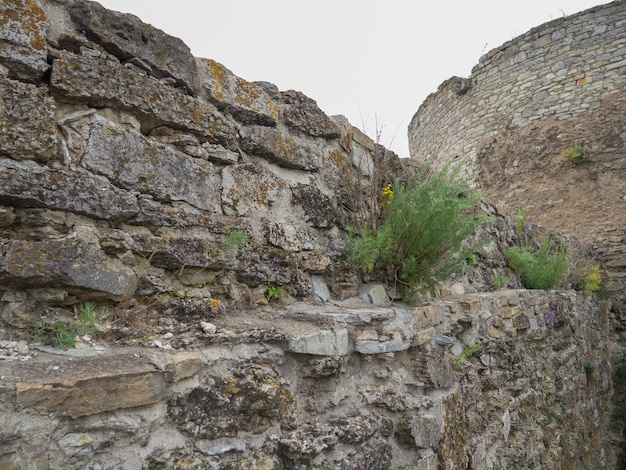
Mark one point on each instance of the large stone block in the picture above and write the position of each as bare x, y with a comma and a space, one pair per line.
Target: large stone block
245, 101
87, 386
252, 190
128, 38
101, 82
67, 262
23, 39
284, 150
27, 122
81, 193
302, 113
131, 161
322, 343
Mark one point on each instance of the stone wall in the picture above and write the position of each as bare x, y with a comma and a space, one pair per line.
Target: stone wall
175, 194
559, 70
513, 379
129, 167
561, 84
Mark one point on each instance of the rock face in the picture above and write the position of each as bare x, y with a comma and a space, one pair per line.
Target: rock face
290, 393
207, 216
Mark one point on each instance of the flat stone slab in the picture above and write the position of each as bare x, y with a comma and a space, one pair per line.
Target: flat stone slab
75, 385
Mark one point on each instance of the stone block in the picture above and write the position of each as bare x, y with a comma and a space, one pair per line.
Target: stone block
423, 336
426, 431
289, 237
27, 121
509, 312
129, 39
249, 189
302, 114
381, 347
67, 262
80, 193
23, 39
320, 289
245, 101
470, 305
101, 82
322, 343
285, 150
131, 161
88, 386
428, 315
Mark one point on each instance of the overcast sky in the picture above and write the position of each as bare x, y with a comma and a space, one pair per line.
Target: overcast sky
372, 61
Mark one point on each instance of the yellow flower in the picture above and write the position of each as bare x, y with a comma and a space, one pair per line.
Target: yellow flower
215, 305
387, 195
593, 279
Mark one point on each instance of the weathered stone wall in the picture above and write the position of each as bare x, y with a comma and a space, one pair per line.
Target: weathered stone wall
126, 164
559, 85
172, 192
513, 379
559, 70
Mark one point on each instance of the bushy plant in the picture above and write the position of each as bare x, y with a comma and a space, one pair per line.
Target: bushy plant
274, 291
421, 241
498, 281
591, 280
539, 269
576, 154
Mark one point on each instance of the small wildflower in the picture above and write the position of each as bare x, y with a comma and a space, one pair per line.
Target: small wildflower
387, 195
215, 305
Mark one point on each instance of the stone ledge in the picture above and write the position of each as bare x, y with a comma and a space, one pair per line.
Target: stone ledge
77, 386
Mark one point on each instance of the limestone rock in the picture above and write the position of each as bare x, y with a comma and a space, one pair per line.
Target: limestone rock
27, 122
302, 113
81, 193
245, 101
320, 289
66, 262
89, 386
23, 39
289, 237
248, 189
251, 399
127, 38
131, 161
323, 343
284, 150
318, 208
103, 82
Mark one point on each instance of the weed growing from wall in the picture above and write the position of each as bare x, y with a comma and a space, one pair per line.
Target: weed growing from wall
576, 154
541, 268
421, 241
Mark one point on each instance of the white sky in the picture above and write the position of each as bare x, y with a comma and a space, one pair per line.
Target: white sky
372, 61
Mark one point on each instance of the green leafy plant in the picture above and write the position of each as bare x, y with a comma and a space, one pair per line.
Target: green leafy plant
63, 335
539, 269
576, 154
589, 367
421, 241
274, 291
498, 281
235, 239
57, 333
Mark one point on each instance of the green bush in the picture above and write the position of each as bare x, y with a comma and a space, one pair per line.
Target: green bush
235, 239
539, 269
421, 242
576, 154
274, 291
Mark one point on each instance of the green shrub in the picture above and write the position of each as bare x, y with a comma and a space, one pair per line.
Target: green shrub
274, 291
421, 242
498, 281
539, 269
576, 154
